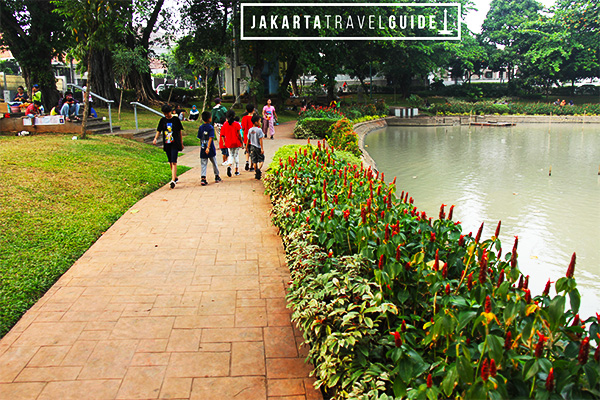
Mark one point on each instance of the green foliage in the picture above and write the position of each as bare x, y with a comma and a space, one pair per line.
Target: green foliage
317, 126
57, 198
341, 136
394, 304
415, 101
301, 132
488, 107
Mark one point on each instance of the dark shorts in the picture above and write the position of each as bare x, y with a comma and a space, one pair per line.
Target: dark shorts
255, 155
172, 152
225, 152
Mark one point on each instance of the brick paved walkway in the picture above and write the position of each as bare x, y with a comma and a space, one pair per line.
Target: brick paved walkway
182, 298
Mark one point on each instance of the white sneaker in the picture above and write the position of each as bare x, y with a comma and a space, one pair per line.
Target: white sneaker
225, 163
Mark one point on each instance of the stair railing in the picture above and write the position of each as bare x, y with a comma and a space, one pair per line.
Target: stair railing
108, 102
135, 104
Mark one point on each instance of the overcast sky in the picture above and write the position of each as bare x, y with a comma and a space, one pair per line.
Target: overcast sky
475, 18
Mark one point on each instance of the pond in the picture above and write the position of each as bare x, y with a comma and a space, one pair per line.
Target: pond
503, 173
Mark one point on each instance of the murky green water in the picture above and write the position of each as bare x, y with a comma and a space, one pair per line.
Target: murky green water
493, 174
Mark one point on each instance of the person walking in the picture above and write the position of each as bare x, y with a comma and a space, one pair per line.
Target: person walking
218, 119
269, 117
206, 134
246, 125
233, 141
255, 146
172, 130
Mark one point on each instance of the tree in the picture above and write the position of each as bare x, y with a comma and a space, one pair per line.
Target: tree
124, 61
203, 64
92, 22
503, 26
34, 35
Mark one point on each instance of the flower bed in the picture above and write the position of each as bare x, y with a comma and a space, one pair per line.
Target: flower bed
396, 304
488, 108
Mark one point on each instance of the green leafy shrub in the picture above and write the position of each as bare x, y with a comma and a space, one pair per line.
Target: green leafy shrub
301, 132
488, 107
341, 136
395, 304
320, 112
415, 101
318, 127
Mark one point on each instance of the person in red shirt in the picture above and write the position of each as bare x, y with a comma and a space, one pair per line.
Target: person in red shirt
32, 111
246, 125
230, 135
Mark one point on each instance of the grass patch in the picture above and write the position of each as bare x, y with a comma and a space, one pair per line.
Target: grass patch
57, 197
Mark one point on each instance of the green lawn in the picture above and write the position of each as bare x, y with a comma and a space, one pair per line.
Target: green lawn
57, 196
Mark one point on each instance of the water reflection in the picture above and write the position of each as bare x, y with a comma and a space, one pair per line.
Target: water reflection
493, 174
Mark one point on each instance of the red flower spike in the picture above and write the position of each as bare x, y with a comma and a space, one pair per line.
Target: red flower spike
575, 320
381, 262
394, 182
402, 195
470, 281
382, 178
539, 347
322, 216
403, 326
461, 240
407, 266
331, 213
584, 351
346, 214
436, 263
550, 380
478, 237
350, 190
307, 220
514, 250
451, 212
429, 381
411, 201
363, 215
508, 341
527, 296
468, 341
571, 269
493, 369
483, 267
488, 304
387, 232
547, 288
442, 214
597, 354
447, 289
497, 233
397, 339
499, 253
500, 278
526, 283
445, 271
379, 190
521, 282
485, 370
382, 215
432, 239
330, 254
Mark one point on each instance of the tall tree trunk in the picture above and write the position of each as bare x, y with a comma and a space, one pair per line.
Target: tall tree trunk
33, 48
101, 68
289, 73
86, 97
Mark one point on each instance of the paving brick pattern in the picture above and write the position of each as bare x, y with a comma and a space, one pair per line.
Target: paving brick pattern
182, 298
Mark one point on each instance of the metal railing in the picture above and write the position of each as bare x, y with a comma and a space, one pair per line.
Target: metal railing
108, 102
135, 104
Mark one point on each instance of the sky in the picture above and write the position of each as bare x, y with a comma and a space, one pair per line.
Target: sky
475, 18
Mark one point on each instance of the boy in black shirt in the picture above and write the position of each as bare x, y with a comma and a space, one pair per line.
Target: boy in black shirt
206, 134
172, 131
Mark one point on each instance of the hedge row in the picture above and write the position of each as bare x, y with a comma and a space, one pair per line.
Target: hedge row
395, 304
487, 108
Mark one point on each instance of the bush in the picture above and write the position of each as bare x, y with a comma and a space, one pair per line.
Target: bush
320, 112
317, 126
488, 107
394, 304
341, 136
182, 95
301, 132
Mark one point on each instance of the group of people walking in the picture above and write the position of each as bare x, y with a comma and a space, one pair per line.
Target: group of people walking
232, 134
